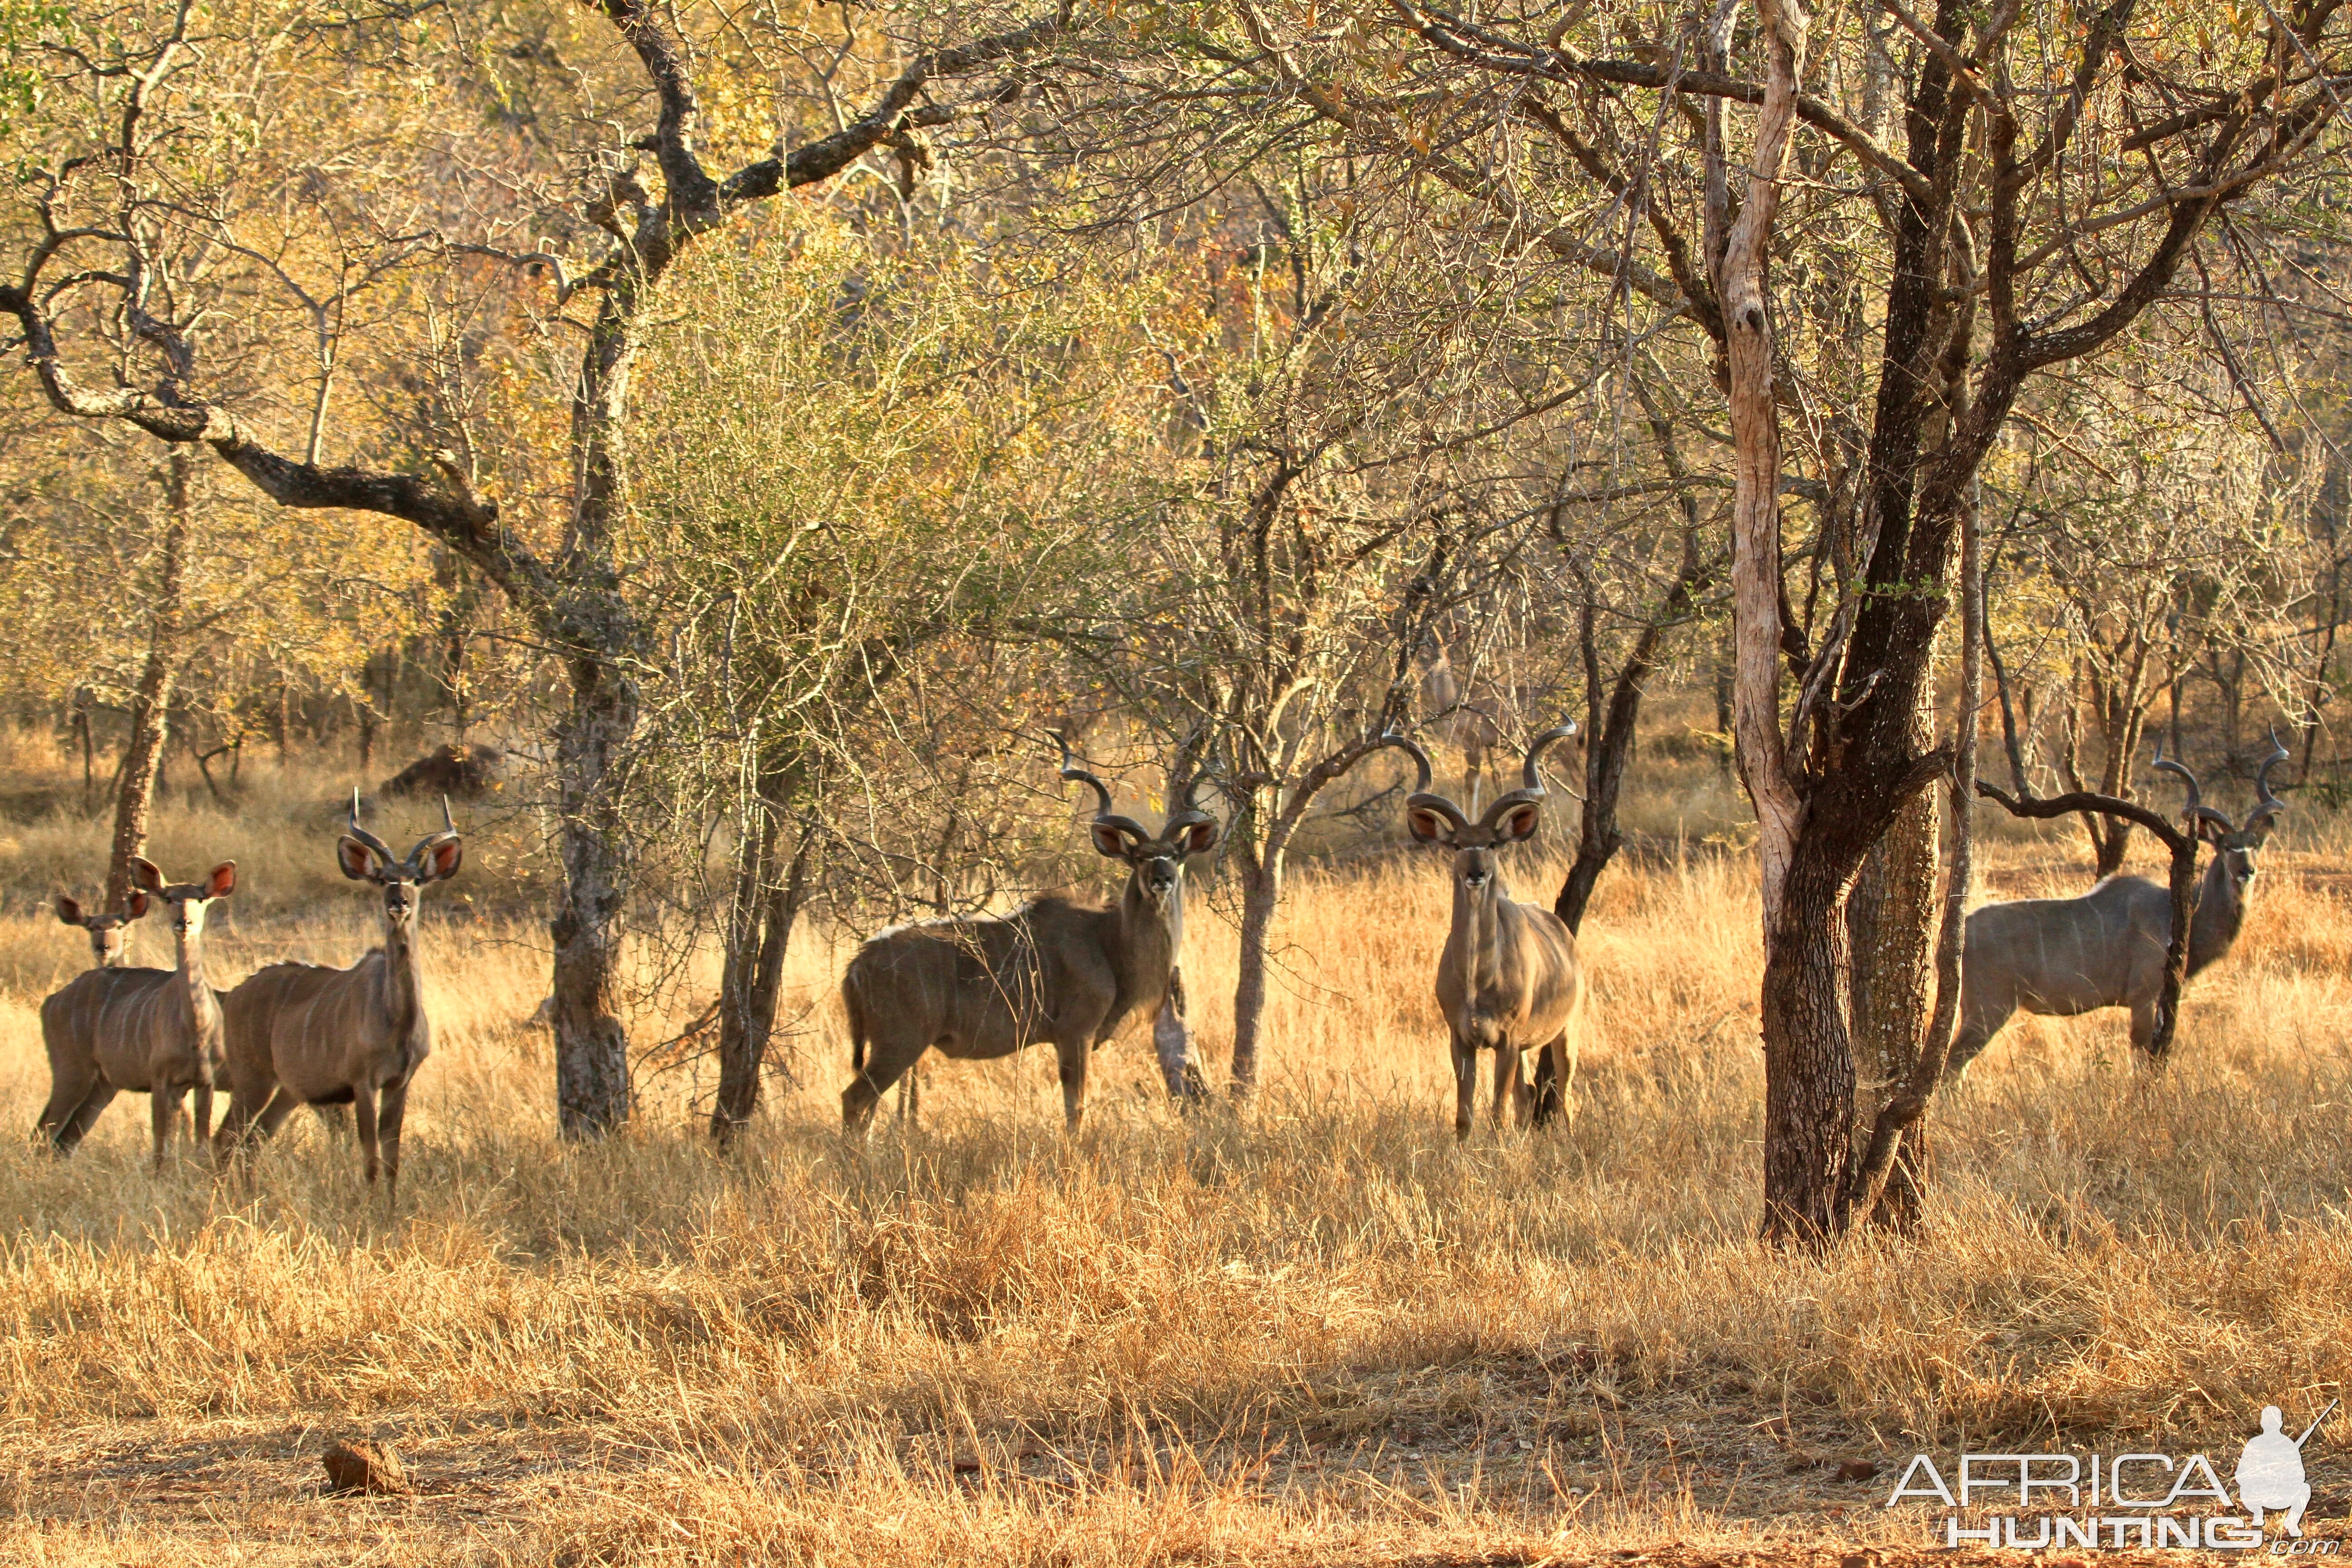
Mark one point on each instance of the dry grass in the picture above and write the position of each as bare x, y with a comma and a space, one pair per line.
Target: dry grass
1314, 1331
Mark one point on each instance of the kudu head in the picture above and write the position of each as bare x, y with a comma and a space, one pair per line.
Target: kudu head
1513, 818
186, 900
1158, 860
108, 934
364, 857
2235, 848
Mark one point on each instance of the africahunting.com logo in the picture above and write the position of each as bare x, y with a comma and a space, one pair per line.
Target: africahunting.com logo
2141, 1501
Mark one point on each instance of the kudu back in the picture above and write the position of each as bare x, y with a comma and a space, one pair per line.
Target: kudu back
156, 1032
1509, 980
1054, 970
301, 1034
2060, 957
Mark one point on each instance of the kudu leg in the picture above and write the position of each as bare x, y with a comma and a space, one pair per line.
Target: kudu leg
1509, 1087
1466, 1086
1072, 1056
67, 1093
1561, 1063
1977, 1027
388, 1118
85, 1116
163, 1107
884, 1064
244, 1126
203, 1112
364, 1115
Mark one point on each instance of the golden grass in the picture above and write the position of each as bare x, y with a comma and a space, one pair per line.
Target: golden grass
1315, 1331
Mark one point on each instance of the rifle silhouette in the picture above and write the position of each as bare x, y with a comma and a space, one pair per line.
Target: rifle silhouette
2323, 1416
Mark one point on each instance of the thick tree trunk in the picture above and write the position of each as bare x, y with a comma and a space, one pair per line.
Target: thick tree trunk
1808, 1060
595, 741
591, 1056
151, 703
1891, 934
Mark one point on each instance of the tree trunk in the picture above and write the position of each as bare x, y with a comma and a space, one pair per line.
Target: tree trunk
1261, 879
594, 742
142, 757
591, 1056
1891, 934
1808, 1060
760, 930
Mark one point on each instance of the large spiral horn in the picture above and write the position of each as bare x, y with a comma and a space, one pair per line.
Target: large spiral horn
2194, 805
1103, 812
448, 831
1423, 798
1530, 776
1531, 786
382, 850
2268, 805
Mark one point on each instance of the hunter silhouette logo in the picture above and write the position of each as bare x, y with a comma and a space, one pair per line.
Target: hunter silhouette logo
2144, 1501
2270, 1470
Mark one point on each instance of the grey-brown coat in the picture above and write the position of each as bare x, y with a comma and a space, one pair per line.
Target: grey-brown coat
156, 1032
1053, 970
300, 1034
2061, 957
1509, 980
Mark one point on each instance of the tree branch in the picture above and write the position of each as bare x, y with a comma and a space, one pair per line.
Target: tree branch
890, 115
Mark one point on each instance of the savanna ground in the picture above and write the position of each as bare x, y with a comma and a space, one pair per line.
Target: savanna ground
1312, 1332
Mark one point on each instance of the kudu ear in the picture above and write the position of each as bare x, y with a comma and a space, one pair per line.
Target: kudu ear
1519, 823
1109, 840
135, 908
70, 912
441, 861
1199, 838
355, 859
1426, 826
223, 881
146, 874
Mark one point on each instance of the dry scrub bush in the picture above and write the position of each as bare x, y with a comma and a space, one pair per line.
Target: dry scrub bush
1315, 1328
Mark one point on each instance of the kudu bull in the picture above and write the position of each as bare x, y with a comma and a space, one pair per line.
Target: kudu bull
979, 989
109, 935
300, 1034
1509, 980
155, 1032
2060, 957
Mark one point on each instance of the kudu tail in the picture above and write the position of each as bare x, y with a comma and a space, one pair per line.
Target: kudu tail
849, 1005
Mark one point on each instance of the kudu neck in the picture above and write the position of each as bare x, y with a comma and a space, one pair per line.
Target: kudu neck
2220, 911
188, 976
401, 967
1154, 930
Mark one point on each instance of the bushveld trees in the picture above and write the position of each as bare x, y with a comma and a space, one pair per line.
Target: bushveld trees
596, 181
867, 443
1990, 194
1328, 493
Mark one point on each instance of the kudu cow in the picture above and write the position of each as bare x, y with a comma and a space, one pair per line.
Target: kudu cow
1509, 980
979, 989
155, 1032
109, 935
299, 1034
2060, 957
